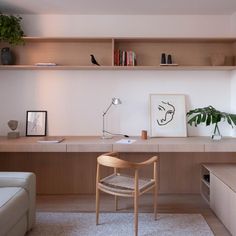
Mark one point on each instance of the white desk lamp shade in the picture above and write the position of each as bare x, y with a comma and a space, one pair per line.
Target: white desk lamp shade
116, 101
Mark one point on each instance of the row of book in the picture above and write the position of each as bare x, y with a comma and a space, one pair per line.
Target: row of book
124, 58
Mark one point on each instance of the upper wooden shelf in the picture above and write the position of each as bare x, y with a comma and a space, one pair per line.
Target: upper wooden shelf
73, 53
162, 68
126, 39
66, 39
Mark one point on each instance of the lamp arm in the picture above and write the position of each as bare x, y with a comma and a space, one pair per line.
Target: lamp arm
103, 120
104, 113
125, 135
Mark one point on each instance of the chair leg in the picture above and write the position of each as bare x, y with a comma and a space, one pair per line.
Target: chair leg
155, 201
97, 205
116, 203
136, 214
136, 198
155, 189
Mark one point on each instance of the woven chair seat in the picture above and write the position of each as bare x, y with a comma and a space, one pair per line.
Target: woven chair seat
120, 183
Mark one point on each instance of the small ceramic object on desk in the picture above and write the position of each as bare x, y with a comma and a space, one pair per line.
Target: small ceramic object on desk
12, 124
144, 134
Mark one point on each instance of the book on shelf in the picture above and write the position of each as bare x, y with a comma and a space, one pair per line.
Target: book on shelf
45, 64
51, 139
124, 58
120, 58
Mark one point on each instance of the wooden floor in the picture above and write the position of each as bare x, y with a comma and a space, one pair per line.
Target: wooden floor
166, 204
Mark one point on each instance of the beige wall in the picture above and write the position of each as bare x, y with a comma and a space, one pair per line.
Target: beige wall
75, 100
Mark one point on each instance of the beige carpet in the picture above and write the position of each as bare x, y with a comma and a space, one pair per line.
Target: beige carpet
119, 224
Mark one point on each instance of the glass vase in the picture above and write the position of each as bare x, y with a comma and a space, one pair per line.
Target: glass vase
216, 133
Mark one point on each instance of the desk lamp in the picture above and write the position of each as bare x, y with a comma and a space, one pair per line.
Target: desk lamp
114, 101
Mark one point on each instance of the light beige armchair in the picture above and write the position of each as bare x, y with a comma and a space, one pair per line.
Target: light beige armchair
17, 203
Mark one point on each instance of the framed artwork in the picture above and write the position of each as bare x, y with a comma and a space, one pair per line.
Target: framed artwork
168, 115
36, 123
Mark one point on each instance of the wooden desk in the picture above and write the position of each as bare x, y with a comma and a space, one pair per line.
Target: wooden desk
96, 144
60, 167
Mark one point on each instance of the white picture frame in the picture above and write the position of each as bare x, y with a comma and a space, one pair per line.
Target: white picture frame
167, 115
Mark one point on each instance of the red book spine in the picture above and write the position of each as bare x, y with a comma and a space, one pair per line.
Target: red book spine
115, 58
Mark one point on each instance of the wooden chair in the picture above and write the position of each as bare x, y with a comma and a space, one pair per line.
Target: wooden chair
123, 185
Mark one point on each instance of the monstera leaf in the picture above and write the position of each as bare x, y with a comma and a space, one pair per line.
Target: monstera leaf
209, 115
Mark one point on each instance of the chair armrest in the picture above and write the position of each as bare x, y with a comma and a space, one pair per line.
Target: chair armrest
116, 154
149, 161
26, 180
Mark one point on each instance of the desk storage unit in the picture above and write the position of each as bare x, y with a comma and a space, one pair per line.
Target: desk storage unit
220, 191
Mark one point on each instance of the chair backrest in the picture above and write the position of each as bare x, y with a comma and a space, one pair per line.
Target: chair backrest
114, 162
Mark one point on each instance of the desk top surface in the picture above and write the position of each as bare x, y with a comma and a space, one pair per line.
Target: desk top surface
97, 144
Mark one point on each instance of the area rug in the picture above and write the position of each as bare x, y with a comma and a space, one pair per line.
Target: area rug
119, 224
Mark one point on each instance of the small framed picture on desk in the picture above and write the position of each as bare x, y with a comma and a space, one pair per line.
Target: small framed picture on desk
36, 123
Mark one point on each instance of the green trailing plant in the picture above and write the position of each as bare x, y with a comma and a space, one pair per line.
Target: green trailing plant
209, 115
10, 29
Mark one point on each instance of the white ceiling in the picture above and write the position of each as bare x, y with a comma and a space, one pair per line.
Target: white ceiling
119, 7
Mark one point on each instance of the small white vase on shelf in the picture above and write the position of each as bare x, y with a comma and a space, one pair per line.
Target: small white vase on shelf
217, 59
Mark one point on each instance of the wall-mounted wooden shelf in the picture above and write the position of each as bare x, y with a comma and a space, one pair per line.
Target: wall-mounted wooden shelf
172, 68
74, 53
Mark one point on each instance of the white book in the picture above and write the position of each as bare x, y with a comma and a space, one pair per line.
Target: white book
45, 64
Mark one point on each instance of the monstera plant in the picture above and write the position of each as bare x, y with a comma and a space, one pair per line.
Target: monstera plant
12, 33
209, 115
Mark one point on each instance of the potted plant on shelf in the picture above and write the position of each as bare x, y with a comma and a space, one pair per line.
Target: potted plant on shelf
209, 115
12, 33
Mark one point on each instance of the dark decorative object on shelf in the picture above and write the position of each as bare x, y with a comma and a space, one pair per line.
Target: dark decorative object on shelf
7, 57
93, 60
206, 178
209, 115
10, 32
169, 59
163, 58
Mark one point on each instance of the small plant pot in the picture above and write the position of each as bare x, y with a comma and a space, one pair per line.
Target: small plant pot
7, 57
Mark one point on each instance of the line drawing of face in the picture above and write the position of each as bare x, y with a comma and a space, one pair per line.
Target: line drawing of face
165, 113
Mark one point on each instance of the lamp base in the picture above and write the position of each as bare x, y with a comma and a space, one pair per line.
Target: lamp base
106, 137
